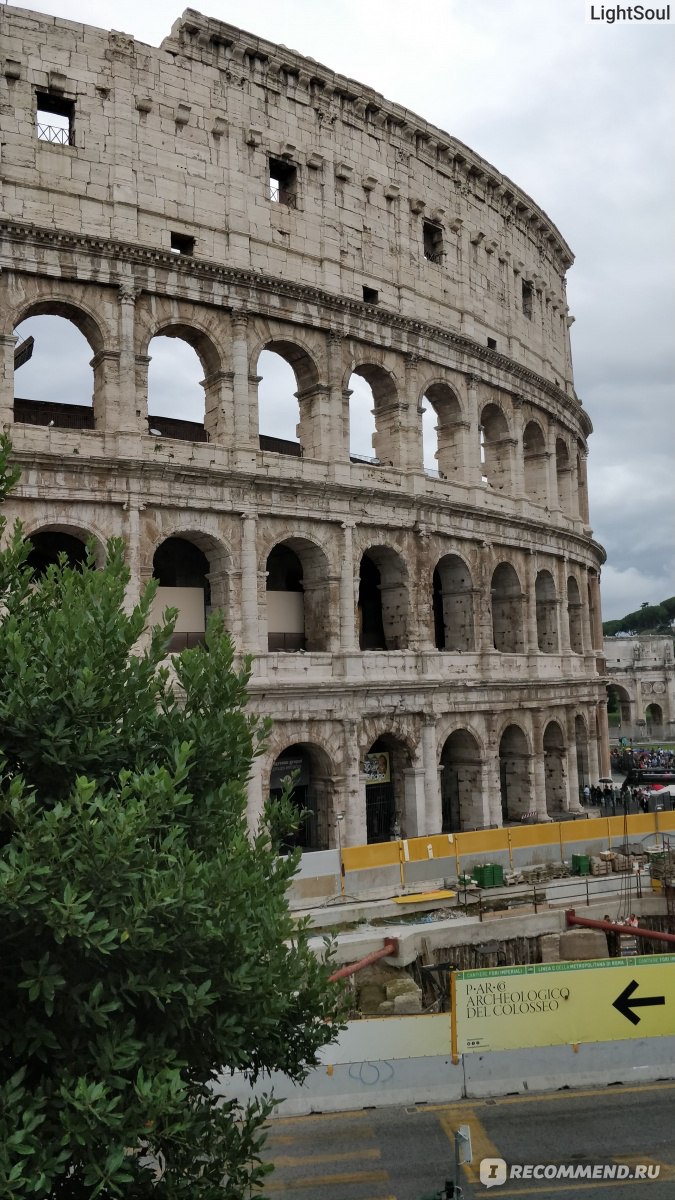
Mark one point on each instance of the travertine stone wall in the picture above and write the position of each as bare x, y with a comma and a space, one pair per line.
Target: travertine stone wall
488, 701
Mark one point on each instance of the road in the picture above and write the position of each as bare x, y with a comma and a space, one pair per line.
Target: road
406, 1153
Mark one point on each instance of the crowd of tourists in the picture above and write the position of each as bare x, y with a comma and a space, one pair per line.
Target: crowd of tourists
630, 758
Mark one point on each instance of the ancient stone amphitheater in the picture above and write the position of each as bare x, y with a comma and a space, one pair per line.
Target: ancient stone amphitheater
424, 615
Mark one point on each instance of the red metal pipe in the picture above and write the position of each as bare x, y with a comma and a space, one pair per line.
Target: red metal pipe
390, 947
631, 930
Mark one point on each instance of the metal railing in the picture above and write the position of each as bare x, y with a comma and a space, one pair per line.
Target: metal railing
47, 414
58, 135
434, 256
279, 195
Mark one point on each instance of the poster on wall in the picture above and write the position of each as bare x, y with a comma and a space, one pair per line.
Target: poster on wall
376, 768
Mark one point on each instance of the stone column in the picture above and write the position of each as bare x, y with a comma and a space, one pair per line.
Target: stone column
553, 493
594, 768
133, 508
531, 638
538, 769
561, 568
490, 779
219, 420
132, 413
338, 398
7, 343
245, 421
355, 829
518, 476
111, 409
347, 589
249, 586
254, 808
604, 763
473, 472
573, 803
315, 430
414, 802
412, 456
432, 783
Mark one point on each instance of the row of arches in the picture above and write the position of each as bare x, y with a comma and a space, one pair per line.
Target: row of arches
387, 771
299, 598
304, 405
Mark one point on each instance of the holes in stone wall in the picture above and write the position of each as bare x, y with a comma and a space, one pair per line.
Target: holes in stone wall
507, 610
527, 297
312, 793
383, 600
453, 605
515, 774
278, 406
176, 400
432, 237
546, 603
535, 463
55, 384
495, 448
182, 243
283, 183
55, 119
461, 791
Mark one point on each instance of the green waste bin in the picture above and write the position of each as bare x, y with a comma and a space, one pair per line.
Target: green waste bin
497, 875
483, 875
581, 864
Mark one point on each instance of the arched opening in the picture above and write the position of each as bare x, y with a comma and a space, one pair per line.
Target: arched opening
312, 792
383, 600
563, 474
495, 448
278, 406
176, 395
441, 428
654, 716
453, 605
575, 616
48, 545
507, 610
547, 613
386, 768
535, 463
55, 384
618, 706
386, 415
515, 774
182, 570
362, 427
461, 791
554, 769
297, 597
581, 739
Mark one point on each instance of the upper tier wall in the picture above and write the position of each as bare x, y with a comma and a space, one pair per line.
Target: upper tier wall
178, 140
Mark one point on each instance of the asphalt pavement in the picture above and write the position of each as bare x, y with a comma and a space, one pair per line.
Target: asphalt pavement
407, 1153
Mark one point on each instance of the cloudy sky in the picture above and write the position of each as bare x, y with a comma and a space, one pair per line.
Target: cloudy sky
580, 115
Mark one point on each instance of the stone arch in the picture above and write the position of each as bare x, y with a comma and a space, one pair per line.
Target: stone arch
575, 614
47, 546
535, 463
195, 415
382, 383
313, 791
507, 610
461, 782
515, 774
383, 600
619, 701
306, 436
192, 568
546, 603
453, 605
389, 783
439, 399
563, 472
297, 596
65, 526
555, 781
496, 446
65, 362
654, 715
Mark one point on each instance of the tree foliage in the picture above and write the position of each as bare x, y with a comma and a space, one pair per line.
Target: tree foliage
648, 618
146, 941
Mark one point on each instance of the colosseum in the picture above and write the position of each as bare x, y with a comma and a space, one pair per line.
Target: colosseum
423, 610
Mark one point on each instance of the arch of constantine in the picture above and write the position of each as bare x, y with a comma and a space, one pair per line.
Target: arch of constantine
424, 617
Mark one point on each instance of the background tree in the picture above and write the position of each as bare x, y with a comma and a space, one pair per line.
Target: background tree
145, 937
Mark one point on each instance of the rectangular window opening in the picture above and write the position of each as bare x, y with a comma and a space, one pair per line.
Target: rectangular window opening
371, 295
55, 120
181, 243
283, 183
433, 242
492, 343
528, 293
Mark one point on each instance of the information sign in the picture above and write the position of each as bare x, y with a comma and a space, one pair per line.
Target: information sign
554, 1004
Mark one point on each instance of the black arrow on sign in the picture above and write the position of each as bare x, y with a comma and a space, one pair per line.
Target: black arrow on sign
625, 1005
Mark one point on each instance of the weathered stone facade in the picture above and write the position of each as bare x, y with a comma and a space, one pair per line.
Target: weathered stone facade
227, 191
642, 672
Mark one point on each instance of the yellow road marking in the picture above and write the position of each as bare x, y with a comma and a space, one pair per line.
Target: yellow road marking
557, 1187
481, 1145
291, 1160
316, 1181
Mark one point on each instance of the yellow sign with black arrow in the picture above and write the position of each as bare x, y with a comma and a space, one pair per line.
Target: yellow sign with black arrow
556, 1004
